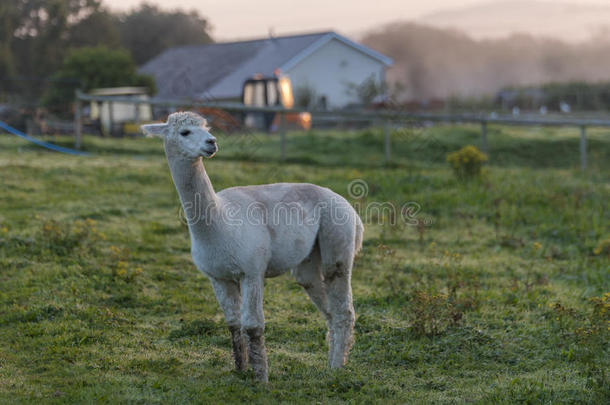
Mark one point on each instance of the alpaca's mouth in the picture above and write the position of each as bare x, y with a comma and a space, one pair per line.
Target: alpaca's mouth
208, 153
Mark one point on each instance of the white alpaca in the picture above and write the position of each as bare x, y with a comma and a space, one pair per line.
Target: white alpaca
243, 234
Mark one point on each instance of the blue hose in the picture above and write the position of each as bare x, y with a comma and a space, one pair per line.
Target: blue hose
38, 142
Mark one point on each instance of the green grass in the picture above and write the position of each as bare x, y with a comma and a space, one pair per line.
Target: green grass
490, 300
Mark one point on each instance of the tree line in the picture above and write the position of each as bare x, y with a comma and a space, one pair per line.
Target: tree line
50, 47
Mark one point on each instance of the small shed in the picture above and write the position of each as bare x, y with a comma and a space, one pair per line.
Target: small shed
110, 114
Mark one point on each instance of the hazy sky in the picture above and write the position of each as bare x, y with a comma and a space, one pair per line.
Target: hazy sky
254, 18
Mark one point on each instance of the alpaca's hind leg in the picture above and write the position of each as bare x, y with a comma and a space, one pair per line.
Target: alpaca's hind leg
229, 298
339, 293
253, 324
309, 276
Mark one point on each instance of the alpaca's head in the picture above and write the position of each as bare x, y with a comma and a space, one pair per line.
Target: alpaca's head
186, 134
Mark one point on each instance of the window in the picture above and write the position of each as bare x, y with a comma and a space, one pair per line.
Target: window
248, 96
271, 93
259, 94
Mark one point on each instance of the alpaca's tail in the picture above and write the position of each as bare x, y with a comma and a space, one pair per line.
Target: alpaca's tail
359, 233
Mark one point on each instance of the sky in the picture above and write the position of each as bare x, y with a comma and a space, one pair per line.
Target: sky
237, 19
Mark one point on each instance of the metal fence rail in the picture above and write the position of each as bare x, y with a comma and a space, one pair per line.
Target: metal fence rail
384, 117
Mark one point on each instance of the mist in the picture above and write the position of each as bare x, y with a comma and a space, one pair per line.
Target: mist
440, 63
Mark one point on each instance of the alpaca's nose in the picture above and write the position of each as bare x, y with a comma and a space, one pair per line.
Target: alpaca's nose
211, 141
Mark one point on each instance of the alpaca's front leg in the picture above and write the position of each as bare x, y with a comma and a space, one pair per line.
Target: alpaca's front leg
253, 324
229, 298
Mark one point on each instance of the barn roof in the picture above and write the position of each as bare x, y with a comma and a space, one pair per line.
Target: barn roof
219, 70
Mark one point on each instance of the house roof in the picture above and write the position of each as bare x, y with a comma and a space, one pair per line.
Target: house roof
219, 70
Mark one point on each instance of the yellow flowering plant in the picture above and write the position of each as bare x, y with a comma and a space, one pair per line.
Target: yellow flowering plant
602, 248
467, 162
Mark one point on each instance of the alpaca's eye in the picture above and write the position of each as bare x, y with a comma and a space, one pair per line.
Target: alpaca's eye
185, 132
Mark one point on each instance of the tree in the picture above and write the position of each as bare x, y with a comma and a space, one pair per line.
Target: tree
98, 29
148, 31
35, 36
367, 91
8, 16
92, 67
41, 32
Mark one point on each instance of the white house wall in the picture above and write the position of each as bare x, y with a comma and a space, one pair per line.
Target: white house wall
330, 69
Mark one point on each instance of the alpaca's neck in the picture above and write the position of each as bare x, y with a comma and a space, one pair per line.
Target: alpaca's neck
199, 201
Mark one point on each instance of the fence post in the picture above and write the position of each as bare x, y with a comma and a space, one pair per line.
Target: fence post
78, 122
484, 136
137, 113
386, 141
583, 148
282, 136
110, 118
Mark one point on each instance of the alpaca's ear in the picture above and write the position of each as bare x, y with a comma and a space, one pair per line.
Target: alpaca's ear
154, 129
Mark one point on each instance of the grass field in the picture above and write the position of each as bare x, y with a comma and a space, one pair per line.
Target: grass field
497, 297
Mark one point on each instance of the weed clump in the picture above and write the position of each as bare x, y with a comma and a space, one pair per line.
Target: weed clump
62, 238
585, 336
467, 162
120, 265
432, 314
602, 248
599, 319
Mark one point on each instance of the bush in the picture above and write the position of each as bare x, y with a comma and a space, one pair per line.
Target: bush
467, 162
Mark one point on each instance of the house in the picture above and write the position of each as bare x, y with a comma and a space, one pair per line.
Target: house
323, 65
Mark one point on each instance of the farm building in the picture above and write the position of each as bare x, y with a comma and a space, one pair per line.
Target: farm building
322, 66
117, 113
